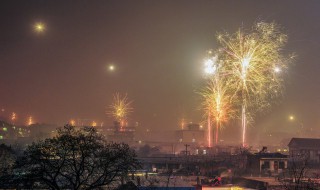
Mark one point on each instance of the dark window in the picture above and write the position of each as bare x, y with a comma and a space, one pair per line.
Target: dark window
265, 165
281, 165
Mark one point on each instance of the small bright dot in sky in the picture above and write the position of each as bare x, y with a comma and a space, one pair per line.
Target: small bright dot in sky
291, 117
111, 67
39, 27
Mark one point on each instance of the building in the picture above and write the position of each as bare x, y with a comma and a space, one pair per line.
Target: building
192, 134
121, 134
264, 163
305, 147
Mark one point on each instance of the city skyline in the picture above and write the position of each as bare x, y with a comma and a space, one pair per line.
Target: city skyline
151, 51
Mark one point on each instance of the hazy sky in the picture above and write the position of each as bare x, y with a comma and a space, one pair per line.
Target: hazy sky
157, 48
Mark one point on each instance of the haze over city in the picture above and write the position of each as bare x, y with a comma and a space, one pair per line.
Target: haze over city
156, 50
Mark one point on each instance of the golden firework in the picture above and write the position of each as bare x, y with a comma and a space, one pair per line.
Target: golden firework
253, 61
120, 108
217, 104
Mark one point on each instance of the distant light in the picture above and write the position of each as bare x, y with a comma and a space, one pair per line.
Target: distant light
209, 65
111, 67
277, 69
4, 129
72, 122
13, 116
94, 124
291, 117
39, 27
30, 121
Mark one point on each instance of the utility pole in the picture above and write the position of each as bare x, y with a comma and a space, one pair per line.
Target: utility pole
187, 164
186, 145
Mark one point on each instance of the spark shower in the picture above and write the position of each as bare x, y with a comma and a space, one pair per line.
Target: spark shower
245, 74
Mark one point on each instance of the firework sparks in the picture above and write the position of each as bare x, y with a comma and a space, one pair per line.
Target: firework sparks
120, 108
30, 121
13, 116
253, 61
218, 105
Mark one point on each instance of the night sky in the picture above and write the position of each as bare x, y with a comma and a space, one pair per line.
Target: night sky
157, 48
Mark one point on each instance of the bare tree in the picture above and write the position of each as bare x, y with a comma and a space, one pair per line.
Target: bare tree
293, 178
7, 157
76, 159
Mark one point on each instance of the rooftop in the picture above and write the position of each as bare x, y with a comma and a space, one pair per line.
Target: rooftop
304, 142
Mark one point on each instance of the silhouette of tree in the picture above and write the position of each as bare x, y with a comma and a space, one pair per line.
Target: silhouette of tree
76, 159
7, 157
295, 176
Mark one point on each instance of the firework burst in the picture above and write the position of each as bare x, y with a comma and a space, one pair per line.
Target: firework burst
253, 60
217, 104
120, 108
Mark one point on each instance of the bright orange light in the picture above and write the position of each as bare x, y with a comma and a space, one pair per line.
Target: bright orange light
30, 121
13, 116
182, 123
72, 122
94, 124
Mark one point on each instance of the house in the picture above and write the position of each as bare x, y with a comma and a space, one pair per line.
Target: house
264, 163
306, 147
